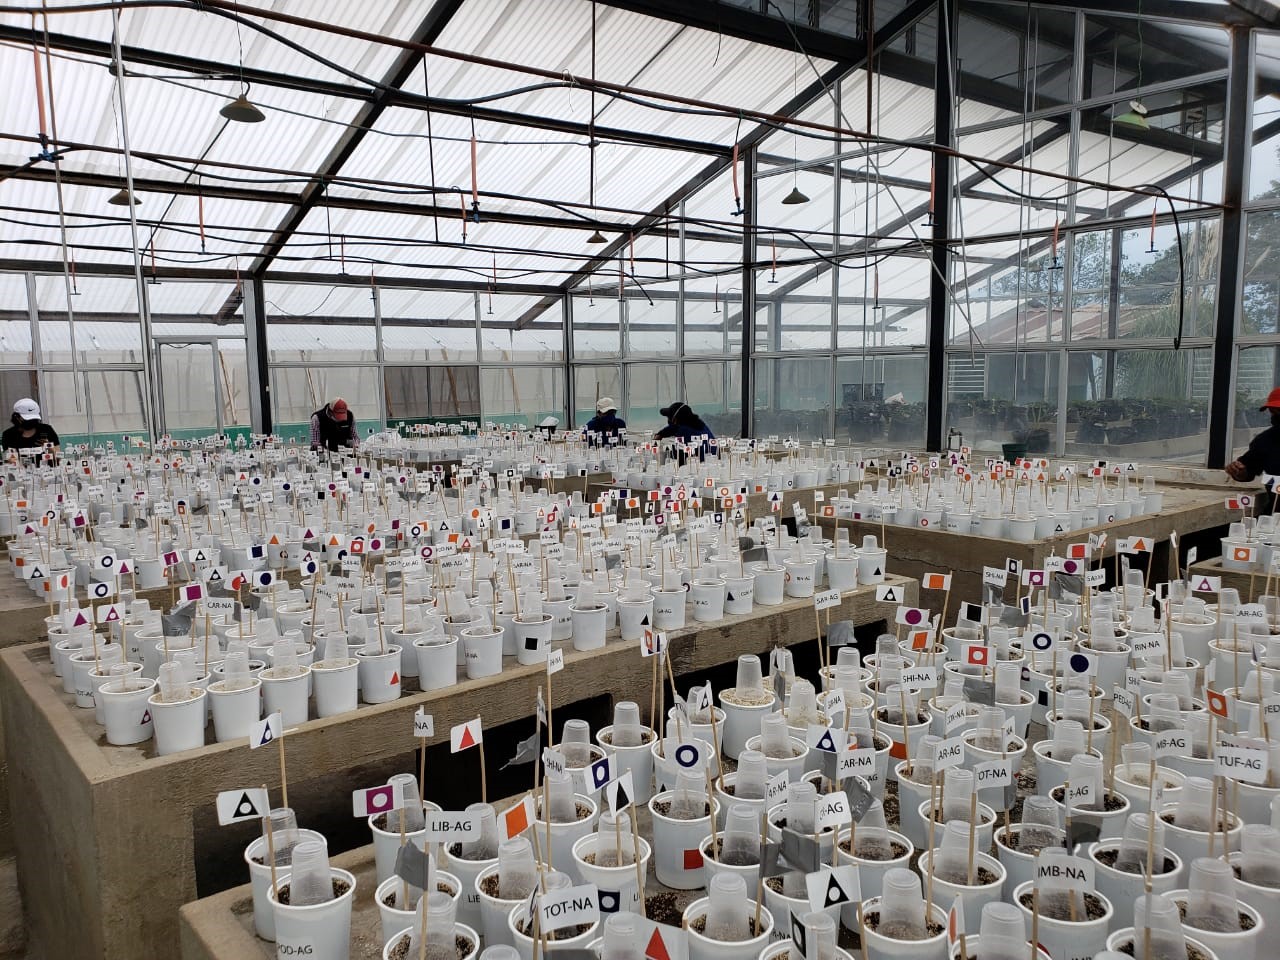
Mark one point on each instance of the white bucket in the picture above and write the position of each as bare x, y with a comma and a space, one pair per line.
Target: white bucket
179, 725
337, 688
379, 674
125, 711
321, 931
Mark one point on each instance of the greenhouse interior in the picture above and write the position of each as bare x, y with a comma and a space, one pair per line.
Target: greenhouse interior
353, 341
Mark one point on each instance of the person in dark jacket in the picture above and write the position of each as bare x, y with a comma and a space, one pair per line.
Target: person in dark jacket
333, 427
606, 424
28, 432
684, 425
1263, 455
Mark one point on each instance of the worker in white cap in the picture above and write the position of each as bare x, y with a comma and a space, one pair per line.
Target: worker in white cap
606, 425
28, 432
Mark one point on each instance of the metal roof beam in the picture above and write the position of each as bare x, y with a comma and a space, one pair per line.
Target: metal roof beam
214, 70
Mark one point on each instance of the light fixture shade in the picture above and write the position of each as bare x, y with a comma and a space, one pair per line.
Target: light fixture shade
596, 237
241, 110
122, 198
1135, 116
795, 197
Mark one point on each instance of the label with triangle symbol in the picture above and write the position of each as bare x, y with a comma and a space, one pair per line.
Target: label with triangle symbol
729, 597
267, 736
644, 621
246, 808
835, 893
877, 572
146, 718
657, 948
395, 678
467, 740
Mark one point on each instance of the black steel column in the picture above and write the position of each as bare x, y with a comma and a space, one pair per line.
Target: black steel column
1235, 146
748, 286
256, 327
939, 291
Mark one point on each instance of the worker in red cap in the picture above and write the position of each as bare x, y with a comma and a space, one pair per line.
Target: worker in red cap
1263, 455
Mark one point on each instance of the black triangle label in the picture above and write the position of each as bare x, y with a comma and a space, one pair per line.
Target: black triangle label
644, 622
146, 717
877, 572
245, 807
835, 893
729, 597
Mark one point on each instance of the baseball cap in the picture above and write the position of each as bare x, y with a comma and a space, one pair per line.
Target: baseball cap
1273, 400
28, 409
605, 403
671, 409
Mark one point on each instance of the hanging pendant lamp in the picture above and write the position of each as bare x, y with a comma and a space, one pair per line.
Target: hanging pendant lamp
1135, 116
122, 198
242, 110
795, 197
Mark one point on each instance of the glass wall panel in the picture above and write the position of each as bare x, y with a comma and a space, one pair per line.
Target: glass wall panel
522, 394
881, 398
517, 329
712, 326
714, 390
15, 322
591, 382
597, 326
301, 391
432, 393
651, 326
1257, 371
793, 397
998, 398
115, 401
1138, 404
1260, 302
312, 342
650, 387
64, 407
428, 325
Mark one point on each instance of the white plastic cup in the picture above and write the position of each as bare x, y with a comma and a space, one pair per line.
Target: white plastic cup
437, 660
800, 576
617, 885
769, 584
337, 688
589, 623
708, 599
634, 617
533, 637
235, 711
379, 673
1066, 940
179, 725
319, 931
264, 918
739, 594
125, 711
668, 609
286, 695
482, 652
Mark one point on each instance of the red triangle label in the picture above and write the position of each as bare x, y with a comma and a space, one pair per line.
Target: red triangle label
467, 740
395, 678
657, 948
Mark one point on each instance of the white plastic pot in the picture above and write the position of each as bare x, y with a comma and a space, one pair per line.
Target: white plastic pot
459, 930
494, 912
973, 897
286, 695
1126, 936
1066, 940
379, 673
337, 688
741, 722
879, 947
1120, 886
533, 637
179, 725
708, 599
617, 885
678, 857
634, 617
668, 609
125, 711
524, 943
800, 576
704, 948
321, 931
638, 760
234, 711
589, 625
264, 918
739, 594
769, 585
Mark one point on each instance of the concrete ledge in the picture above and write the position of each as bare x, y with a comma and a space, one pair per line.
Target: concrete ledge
110, 838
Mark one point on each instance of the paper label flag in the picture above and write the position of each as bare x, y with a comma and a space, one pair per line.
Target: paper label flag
831, 887
424, 724
266, 730
618, 793
465, 736
888, 593
237, 805
375, 800
518, 818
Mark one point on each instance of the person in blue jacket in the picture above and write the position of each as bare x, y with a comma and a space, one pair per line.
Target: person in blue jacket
606, 424
684, 424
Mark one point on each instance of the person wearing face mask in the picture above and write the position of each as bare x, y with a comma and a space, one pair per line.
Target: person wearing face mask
1263, 455
29, 432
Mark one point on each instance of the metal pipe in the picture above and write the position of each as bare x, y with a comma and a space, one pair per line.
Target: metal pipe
149, 404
